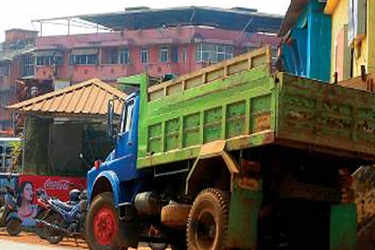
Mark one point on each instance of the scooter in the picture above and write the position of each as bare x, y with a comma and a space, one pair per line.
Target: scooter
8, 213
64, 219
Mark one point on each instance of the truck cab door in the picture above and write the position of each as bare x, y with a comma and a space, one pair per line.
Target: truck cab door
127, 140
125, 153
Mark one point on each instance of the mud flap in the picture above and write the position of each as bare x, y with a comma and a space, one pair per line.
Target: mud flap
245, 204
343, 227
243, 218
210, 151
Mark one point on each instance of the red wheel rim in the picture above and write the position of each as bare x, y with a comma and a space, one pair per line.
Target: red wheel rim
105, 226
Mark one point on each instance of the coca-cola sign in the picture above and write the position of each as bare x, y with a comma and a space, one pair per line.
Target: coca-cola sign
57, 184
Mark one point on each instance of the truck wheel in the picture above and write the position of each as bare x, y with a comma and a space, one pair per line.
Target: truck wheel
14, 227
208, 221
103, 231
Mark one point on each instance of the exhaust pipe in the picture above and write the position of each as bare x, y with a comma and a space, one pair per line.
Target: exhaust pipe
41, 223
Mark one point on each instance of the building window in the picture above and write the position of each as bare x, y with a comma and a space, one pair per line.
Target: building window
113, 56
220, 52
49, 60
174, 54
28, 65
116, 56
43, 60
164, 54
84, 59
124, 56
144, 56
184, 55
213, 52
92, 59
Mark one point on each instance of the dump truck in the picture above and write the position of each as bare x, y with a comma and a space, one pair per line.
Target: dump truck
232, 156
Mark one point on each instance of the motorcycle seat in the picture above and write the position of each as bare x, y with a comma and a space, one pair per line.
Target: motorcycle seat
62, 205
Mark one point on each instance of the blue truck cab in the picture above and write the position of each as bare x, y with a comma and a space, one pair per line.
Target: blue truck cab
114, 184
120, 165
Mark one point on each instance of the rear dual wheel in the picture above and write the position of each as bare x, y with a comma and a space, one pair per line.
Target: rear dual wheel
208, 221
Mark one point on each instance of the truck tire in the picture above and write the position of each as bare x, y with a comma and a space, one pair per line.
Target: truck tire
208, 221
102, 224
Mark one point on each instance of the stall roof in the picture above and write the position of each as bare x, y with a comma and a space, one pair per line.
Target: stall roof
88, 98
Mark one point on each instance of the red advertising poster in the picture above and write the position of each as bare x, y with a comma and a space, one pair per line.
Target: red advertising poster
54, 186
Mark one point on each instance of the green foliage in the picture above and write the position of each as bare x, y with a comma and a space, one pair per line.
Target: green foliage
16, 155
36, 146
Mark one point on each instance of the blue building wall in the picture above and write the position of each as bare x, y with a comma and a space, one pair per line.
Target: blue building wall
307, 52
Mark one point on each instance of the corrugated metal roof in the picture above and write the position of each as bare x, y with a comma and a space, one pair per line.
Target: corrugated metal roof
145, 18
89, 98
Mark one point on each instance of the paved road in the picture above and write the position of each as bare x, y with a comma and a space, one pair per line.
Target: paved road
11, 245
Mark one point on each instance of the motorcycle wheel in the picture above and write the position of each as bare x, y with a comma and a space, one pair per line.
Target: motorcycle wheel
54, 236
14, 227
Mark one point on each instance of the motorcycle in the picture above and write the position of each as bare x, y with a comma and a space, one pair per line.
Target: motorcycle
8, 213
63, 219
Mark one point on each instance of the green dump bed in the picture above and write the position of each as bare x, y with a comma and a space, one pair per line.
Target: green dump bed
240, 101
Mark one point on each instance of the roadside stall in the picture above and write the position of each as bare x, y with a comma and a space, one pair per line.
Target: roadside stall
59, 127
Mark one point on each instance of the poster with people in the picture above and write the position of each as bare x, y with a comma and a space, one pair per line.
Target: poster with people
27, 210
26, 187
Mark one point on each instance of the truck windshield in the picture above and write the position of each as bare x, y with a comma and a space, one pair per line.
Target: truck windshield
126, 122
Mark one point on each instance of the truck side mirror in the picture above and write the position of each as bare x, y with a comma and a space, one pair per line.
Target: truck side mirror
110, 116
82, 158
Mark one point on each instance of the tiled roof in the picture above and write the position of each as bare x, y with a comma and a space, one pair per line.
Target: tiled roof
88, 98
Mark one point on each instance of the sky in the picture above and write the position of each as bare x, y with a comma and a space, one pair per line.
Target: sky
18, 14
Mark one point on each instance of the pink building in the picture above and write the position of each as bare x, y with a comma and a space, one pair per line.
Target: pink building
166, 42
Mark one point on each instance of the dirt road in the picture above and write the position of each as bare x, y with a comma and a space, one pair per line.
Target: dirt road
32, 240
12, 245
29, 241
